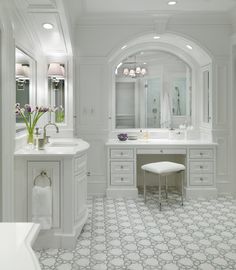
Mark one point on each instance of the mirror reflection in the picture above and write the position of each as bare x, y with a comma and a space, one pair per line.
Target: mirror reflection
24, 82
152, 90
56, 88
206, 97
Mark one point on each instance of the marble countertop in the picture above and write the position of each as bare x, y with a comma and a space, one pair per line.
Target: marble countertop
56, 147
15, 246
158, 142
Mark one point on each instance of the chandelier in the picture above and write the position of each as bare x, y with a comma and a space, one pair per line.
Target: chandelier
134, 72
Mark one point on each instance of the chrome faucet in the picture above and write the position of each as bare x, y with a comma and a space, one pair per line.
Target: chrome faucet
45, 133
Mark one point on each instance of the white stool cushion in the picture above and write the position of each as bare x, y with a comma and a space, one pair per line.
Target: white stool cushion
164, 167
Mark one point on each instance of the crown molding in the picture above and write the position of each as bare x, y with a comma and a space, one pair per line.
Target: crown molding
147, 18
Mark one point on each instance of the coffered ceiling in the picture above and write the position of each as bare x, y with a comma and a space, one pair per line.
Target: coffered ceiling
155, 5
120, 8
114, 6
37, 12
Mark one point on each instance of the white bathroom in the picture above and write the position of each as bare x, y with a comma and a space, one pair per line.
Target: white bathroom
117, 134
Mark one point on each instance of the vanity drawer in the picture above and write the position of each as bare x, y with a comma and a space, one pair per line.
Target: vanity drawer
201, 153
201, 167
162, 151
122, 167
122, 153
201, 179
122, 180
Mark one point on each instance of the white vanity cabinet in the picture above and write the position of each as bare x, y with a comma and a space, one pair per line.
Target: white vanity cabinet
201, 162
121, 172
66, 170
199, 158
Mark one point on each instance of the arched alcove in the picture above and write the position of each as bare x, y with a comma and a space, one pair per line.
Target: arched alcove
190, 52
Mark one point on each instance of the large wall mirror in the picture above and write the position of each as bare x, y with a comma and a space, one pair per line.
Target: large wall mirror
152, 90
25, 83
56, 92
206, 101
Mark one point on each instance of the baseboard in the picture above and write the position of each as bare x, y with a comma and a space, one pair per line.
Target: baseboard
116, 192
57, 239
196, 193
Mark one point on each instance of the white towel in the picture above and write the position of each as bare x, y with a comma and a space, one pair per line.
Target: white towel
166, 111
42, 206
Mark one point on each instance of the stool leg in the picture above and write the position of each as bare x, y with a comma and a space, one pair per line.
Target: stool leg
182, 188
144, 186
166, 187
159, 180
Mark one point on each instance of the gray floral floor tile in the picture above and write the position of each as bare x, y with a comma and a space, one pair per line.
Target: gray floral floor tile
129, 234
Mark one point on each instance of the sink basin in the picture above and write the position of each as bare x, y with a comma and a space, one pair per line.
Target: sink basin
62, 144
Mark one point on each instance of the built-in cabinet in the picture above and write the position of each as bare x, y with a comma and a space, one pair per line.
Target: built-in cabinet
52, 177
199, 159
67, 174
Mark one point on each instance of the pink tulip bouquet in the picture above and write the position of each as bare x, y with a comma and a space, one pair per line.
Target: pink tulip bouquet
30, 115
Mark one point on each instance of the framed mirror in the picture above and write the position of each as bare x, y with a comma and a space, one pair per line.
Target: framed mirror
56, 91
25, 74
152, 90
206, 95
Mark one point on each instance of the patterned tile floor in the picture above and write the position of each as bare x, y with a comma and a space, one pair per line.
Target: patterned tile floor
127, 234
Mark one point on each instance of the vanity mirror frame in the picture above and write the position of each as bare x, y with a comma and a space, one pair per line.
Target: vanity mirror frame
206, 79
168, 48
20, 127
68, 93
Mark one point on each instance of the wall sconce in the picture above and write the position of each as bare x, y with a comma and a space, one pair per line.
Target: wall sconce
56, 72
22, 75
22, 71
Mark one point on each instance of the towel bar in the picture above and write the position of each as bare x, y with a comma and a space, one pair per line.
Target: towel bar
43, 174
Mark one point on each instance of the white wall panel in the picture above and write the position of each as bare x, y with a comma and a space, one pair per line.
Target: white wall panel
98, 40
221, 105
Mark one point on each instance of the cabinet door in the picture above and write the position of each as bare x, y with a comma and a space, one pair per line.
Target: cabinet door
80, 195
80, 178
52, 169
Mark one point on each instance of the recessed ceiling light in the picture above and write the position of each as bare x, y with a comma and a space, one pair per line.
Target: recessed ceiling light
48, 26
156, 37
189, 47
122, 48
172, 3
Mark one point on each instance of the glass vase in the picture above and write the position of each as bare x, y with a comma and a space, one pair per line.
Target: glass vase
30, 137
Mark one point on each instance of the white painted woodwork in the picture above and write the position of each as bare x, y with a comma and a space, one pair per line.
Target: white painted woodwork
67, 168
199, 159
95, 40
52, 170
201, 153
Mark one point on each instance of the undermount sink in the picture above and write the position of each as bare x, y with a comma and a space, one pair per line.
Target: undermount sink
62, 144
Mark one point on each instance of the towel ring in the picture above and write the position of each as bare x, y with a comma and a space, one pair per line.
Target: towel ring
42, 174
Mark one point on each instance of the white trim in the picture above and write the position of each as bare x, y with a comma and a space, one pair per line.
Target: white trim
8, 119
141, 43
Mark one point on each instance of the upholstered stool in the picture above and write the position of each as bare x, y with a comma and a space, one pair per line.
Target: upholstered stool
163, 168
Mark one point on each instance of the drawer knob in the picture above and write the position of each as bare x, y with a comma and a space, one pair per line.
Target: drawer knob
161, 151
122, 178
201, 178
201, 154
201, 167
121, 153
122, 167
